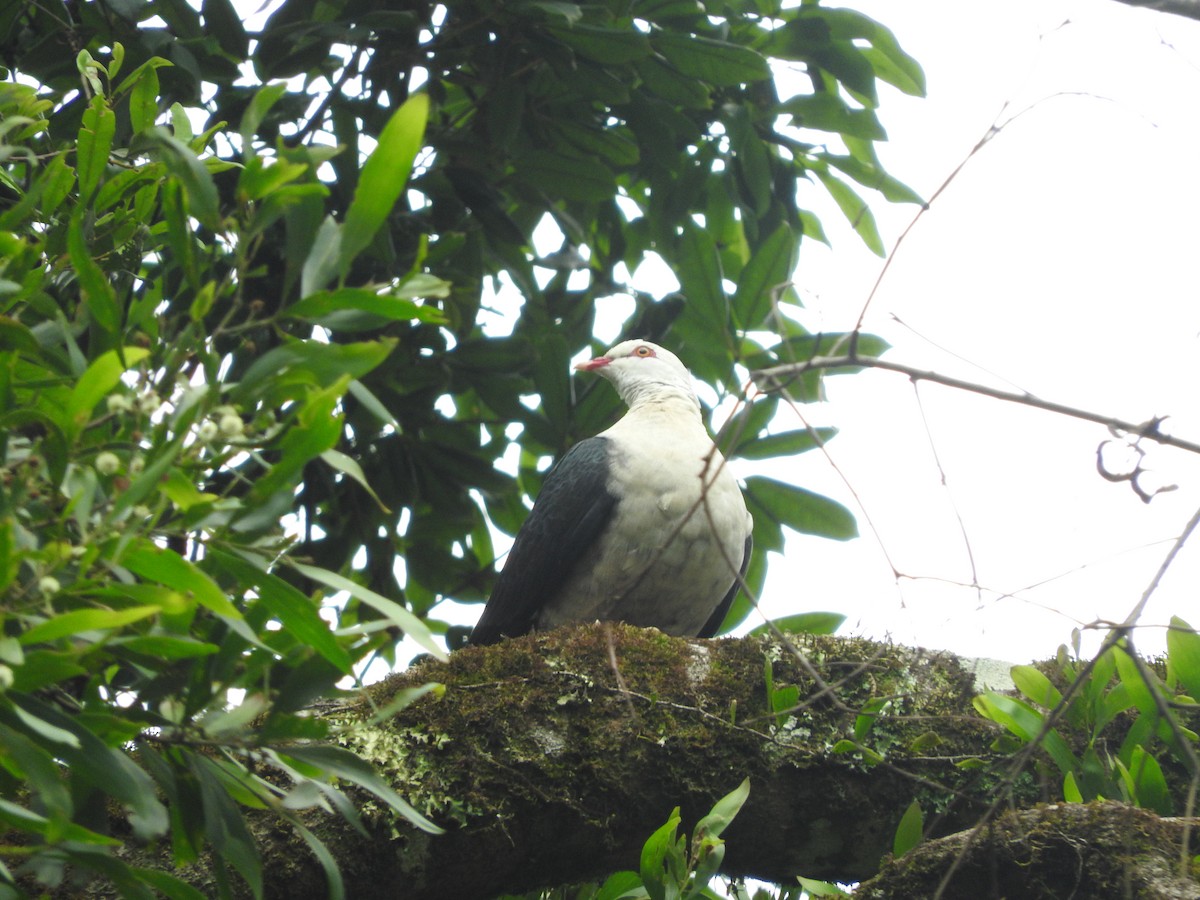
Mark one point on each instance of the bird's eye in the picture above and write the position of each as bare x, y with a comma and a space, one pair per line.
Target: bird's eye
643, 351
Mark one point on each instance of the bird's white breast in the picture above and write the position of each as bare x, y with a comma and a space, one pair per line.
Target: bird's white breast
676, 539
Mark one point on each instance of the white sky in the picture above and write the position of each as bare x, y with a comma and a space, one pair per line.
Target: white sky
1063, 259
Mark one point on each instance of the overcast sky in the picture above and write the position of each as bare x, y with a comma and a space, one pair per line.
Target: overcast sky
1062, 261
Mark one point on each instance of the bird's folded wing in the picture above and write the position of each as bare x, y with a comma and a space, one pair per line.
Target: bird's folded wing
713, 625
572, 510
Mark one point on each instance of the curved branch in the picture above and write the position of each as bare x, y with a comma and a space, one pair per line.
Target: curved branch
1189, 9
778, 377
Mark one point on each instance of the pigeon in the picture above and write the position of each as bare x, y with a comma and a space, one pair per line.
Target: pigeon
644, 523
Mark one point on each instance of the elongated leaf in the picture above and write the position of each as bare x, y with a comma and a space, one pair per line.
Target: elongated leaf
384, 176
769, 269
1035, 686
27, 820
342, 763
324, 363
828, 112
321, 305
98, 294
224, 825
723, 811
654, 853
1183, 656
699, 273
788, 443
95, 143
910, 831
81, 620
565, 176
804, 623
96, 383
407, 622
182, 162
296, 612
106, 768
264, 98
143, 100
855, 209
715, 62
799, 509
1026, 723
316, 429
169, 568
610, 46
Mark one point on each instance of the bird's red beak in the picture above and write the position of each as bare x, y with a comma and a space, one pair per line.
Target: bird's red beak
590, 364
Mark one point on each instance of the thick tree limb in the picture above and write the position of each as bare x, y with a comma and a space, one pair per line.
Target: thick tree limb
551, 758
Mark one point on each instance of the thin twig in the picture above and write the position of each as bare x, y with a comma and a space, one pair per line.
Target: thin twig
777, 377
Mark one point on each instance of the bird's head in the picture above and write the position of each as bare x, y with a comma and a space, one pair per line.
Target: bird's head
643, 372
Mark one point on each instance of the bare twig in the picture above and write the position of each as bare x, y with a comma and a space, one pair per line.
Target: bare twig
778, 377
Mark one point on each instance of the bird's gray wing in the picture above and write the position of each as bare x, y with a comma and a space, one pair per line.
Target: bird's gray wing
714, 621
573, 508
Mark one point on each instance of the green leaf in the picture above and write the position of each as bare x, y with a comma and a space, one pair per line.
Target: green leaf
1035, 686
81, 620
910, 831
699, 272
1148, 786
181, 161
94, 145
828, 112
169, 568
1183, 656
315, 362
569, 177
788, 443
799, 509
106, 768
342, 763
397, 614
257, 109
349, 466
715, 62
890, 62
98, 293
654, 854
321, 263
1026, 723
724, 811
855, 209
317, 427
321, 307
383, 178
804, 623
96, 383
26, 820
143, 100
296, 612
610, 46
224, 825
620, 885
769, 270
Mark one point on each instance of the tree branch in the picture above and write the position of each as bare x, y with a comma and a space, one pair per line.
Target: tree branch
778, 377
1189, 9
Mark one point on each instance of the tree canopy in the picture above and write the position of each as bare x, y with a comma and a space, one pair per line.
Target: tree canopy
287, 305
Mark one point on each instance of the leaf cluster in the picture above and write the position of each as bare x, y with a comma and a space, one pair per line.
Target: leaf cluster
253, 389
1117, 729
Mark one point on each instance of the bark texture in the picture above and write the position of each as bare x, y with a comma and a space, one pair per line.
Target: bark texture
550, 759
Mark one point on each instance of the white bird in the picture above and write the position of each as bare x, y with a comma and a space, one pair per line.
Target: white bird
644, 523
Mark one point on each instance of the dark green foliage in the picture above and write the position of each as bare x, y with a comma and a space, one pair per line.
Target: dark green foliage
246, 362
